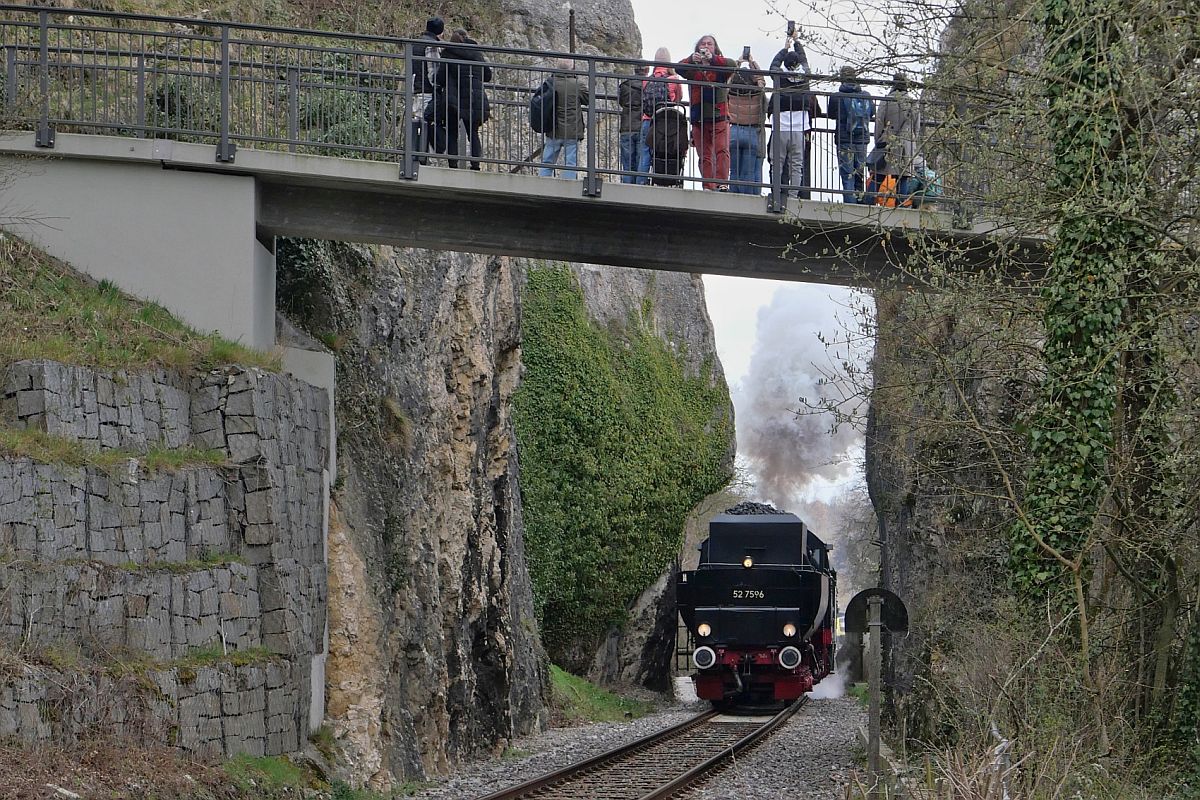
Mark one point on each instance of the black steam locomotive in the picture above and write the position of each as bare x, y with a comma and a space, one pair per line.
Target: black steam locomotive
759, 609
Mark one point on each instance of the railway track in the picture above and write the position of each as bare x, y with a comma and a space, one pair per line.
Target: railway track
655, 767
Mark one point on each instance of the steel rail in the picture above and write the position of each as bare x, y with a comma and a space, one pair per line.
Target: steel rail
562, 778
572, 770
700, 771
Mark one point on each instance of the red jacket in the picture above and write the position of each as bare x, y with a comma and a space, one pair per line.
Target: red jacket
719, 70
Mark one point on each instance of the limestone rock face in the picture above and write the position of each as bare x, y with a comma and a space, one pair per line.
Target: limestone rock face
434, 654
601, 26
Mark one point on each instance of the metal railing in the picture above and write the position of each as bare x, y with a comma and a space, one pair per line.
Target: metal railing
349, 95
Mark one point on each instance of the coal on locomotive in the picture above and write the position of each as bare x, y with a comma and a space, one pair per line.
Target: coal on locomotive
759, 609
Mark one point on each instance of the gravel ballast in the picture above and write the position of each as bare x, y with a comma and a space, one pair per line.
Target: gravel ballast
808, 759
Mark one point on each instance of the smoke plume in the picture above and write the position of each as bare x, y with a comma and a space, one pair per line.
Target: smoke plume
788, 453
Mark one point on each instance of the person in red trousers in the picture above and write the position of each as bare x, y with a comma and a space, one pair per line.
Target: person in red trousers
710, 109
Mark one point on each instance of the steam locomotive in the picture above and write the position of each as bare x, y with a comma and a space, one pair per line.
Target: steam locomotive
759, 610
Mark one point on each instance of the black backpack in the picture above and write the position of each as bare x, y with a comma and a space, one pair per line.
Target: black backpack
543, 108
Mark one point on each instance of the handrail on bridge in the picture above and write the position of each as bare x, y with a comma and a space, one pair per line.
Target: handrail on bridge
329, 93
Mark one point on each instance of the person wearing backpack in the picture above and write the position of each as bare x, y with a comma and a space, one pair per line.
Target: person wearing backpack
747, 134
661, 87
852, 110
570, 120
709, 94
460, 77
896, 133
629, 98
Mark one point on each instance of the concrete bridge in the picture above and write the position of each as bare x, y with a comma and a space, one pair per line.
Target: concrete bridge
192, 224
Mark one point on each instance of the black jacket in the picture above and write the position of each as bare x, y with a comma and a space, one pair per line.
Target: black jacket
792, 88
629, 97
463, 83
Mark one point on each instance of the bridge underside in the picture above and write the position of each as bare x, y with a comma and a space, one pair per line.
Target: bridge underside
528, 216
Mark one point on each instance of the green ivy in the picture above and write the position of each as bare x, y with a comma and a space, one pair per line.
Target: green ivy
1097, 250
617, 444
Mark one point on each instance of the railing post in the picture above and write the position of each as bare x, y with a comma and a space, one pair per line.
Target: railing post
226, 150
10, 76
293, 84
141, 96
776, 202
44, 134
412, 123
591, 181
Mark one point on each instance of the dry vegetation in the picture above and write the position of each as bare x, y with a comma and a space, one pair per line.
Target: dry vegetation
50, 311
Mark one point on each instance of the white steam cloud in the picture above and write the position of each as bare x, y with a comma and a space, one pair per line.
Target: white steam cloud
790, 455
831, 686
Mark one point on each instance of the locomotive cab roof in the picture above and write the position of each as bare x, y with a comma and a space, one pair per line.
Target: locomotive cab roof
769, 539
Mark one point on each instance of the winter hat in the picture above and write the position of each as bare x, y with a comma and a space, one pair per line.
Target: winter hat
791, 60
435, 26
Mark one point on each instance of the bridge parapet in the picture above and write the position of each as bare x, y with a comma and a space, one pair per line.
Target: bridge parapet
252, 86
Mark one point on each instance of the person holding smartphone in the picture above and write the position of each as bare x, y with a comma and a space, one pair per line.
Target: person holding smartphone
710, 70
747, 121
798, 107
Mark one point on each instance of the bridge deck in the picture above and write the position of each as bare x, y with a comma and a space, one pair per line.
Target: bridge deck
521, 215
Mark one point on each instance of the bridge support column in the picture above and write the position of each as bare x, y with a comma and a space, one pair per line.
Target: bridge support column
185, 240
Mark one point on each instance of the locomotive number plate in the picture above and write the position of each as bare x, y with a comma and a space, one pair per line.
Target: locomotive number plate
749, 594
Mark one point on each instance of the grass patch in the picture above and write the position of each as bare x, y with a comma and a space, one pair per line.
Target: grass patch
577, 700
47, 310
268, 772
343, 791
46, 448
860, 692
184, 567
214, 654
322, 739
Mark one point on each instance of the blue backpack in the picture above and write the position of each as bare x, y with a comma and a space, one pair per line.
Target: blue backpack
858, 115
542, 108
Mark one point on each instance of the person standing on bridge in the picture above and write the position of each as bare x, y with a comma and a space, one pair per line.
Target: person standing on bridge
423, 50
852, 110
710, 70
460, 77
896, 133
661, 87
629, 97
570, 121
747, 133
798, 107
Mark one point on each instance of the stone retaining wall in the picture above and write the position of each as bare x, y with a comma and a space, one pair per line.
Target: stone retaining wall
210, 711
122, 564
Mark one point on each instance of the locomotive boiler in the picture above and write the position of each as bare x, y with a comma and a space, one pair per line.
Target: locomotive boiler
760, 610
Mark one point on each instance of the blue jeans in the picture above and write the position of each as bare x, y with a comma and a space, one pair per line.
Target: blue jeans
644, 157
570, 153
631, 154
852, 157
745, 163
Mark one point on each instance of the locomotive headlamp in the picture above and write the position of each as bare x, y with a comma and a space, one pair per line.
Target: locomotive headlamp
703, 629
747, 562
789, 630
704, 657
